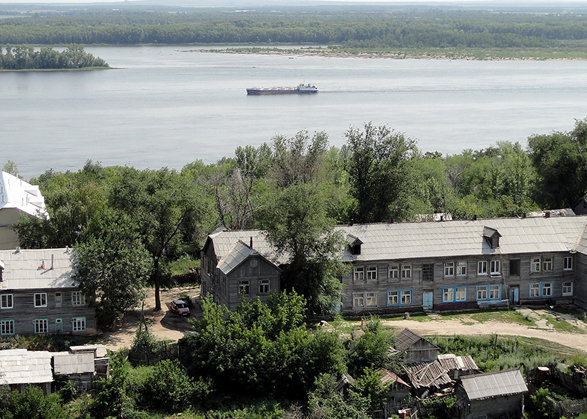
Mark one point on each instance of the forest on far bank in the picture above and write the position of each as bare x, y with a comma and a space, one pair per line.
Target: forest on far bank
423, 31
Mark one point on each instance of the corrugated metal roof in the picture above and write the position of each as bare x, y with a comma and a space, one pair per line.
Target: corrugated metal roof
36, 269
224, 242
237, 255
428, 374
502, 383
19, 366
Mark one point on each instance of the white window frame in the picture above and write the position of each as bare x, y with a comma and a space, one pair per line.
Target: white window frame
495, 267
448, 295
568, 289
547, 264
370, 299
494, 292
449, 269
535, 264
359, 273
482, 267
461, 294
393, 271
406, 297
482, 292
406, 271
568, 263
40, 299
78, 324
6, 327
264, 286
393, 298
371, 273
461, 268
7, 301
41, 326
358, 299
535, 290
78, 299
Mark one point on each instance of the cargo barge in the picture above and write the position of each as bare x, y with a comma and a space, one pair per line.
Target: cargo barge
279, 90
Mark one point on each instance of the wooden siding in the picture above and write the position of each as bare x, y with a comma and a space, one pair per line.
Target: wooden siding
472, 281
24, 312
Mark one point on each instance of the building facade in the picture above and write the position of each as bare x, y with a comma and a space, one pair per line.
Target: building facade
39, 296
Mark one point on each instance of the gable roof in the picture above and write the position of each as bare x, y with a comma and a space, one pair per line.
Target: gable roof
428, 374
390, 377
224, 244
36, 269
502, 383
16, 193
407, 338
19, 366
236, 256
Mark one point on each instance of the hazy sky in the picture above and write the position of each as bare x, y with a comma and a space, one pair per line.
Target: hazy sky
297, 2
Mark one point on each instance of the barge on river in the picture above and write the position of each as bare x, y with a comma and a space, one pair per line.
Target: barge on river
279, 90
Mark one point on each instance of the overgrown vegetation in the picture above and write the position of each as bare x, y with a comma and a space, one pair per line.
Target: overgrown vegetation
27, 58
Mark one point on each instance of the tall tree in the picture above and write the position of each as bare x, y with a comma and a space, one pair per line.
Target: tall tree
165, 208
379, 163
112, 265
560, 160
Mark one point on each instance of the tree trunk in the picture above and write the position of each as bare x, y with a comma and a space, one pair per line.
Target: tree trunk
156, 280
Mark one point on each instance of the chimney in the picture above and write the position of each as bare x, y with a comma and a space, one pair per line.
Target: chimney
251, 242
546, 214
43, 264
352, 222
441, 218
524, 215
475, 217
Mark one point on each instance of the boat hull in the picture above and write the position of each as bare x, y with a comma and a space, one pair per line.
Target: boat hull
300, 89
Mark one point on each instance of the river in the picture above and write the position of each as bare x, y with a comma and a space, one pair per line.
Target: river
167, 106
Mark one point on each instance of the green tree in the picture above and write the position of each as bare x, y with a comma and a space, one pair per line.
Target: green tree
327, 403
11, 167
379, 162
112, 265
371, 349
31, 404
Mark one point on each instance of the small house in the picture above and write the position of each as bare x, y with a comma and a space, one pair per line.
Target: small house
492, 395
20, 368
415, 347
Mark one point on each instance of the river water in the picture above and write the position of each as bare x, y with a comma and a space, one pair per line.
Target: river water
166, 106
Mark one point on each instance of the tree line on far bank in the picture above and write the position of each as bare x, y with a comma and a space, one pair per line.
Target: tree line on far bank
46, 58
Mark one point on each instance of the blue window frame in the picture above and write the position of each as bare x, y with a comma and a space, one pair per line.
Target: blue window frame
454, 294
488, 292
7, 327
400, 297
541, 289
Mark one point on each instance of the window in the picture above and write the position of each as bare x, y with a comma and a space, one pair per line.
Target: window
359, 273
461, 268
567, 289
482, 292
449, 269
482, 267
495, 266
568, 263
372, 273
7, 301
406, 297
393, 271
393, 298
264, 286
547, 264
359, 300
244, 288
494, 292
547, 289
41, 300
58, 299
78, 324
41, 325
7, 327
78, 299
535, 265
428, 272
406, 271
515, 267
535, 290
448, 295
371, 299
461, 294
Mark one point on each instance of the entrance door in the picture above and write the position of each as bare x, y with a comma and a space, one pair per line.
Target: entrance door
428, 300
515, 295
58, 326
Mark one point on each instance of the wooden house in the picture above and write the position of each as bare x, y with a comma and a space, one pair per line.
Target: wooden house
17, 197
38, 294
494, 395
414, 348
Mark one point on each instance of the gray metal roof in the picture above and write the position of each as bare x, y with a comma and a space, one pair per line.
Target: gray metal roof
465, 238
224, 242
461, 363
406, 338
502, 383
237, 255
73, 363
19, 366
36, 269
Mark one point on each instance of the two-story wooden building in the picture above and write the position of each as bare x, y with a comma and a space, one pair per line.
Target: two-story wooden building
39, 296
443, 265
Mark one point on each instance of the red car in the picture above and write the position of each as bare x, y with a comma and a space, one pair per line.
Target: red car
179, 307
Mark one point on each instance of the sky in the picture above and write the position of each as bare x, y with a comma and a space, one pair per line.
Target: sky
211, 3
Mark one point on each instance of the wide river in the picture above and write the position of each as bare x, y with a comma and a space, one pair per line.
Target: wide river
165, 106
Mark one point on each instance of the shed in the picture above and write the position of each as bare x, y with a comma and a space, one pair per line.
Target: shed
19, 368
416, 348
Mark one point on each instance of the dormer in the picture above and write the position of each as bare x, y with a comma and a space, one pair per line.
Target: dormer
491, 236
354, 244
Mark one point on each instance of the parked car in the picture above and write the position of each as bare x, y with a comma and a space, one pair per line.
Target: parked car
179, 307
